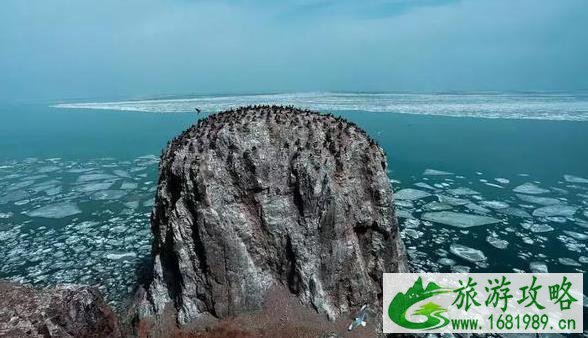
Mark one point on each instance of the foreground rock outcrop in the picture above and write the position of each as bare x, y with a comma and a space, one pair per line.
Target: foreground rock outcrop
62, 311
264, 196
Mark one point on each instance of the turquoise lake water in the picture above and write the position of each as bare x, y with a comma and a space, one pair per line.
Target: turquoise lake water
77, 185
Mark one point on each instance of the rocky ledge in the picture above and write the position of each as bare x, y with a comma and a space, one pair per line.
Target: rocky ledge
262, 196
62, 311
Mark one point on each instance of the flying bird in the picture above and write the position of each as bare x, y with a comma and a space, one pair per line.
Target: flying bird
359, 319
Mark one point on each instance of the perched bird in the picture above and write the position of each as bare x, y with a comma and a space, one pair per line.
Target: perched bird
359, 319
197, 110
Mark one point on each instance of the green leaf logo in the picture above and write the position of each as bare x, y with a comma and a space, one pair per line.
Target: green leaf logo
402, 302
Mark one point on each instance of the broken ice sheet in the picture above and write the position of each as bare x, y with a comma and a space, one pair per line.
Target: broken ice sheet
575, 179
411, 194
462, 191
437, 206
108, 194
538, 267
424, 185
555, 210
540, 228
538, 199
467, 253
57, 210
452, 200
495, 204
576, 235
497, 242
458, 220
96, 186
433, 172
530, 188
94, 177
568, 262
515, 212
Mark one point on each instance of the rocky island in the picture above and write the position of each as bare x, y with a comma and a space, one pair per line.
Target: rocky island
267, 197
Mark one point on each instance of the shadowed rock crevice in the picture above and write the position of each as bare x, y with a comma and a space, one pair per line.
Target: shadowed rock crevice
263, 196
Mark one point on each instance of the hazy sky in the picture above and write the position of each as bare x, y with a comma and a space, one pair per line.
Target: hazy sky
78, 49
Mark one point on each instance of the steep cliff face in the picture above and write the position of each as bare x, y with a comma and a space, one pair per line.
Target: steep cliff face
61, 311
265, 196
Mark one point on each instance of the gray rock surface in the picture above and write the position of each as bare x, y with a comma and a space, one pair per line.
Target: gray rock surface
264, 196
61, 311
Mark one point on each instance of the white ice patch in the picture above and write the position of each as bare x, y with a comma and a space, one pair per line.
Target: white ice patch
515, 212
530, 188
411, 194
433, 172
467, 253
497, 242
94, 177
495, 204
575, 179
538, 199
58, 210
568, 262
502, 180
540, 228
91, 187
458, 220
576, 235
452, 200
129, 186
462, 191
538, 267
437, 206
121, 256
424, 185
108, 194
555, 210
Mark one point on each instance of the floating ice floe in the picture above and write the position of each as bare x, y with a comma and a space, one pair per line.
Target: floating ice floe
108, 194
540, 228
424, 185
467, 253
452, 200
121, 173
538, 267
446, 261
555, 210
495, 204
94, 177
502, 180
583, 259
462, 191
497, 242
437, 206
129, 186
568, 262
538, 199
530, 188
119, 256
433, 172
91, 187
576, 235
410, 194
404, 204
458, 220
58, 210
403, 214
514, 212
494, 185
4, 215
477, 209
575, 179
